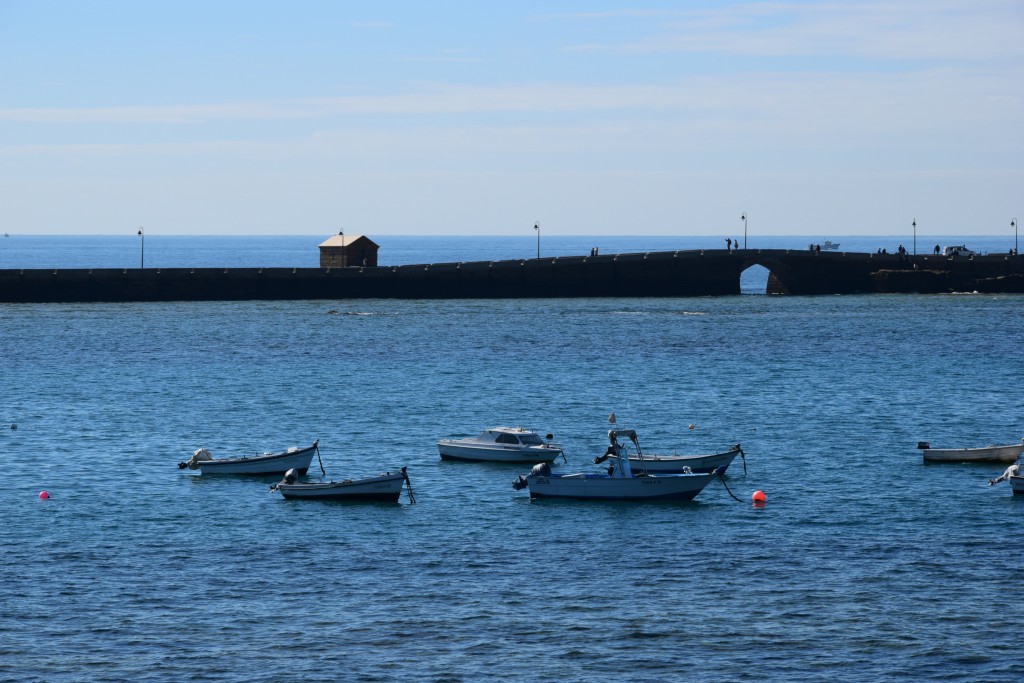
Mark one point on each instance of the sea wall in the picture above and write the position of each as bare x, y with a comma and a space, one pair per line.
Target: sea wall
678, 273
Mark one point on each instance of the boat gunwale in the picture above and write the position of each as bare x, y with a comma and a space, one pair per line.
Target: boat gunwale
325, 485
263, 457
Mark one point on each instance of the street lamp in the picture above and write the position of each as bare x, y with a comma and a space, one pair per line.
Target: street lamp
536, 226
914, 225
142, 252
744, 219
1013, 224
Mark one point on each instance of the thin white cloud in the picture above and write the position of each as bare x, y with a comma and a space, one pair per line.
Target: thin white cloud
449, 56
169, 114
929, 29
961, 95
700, 123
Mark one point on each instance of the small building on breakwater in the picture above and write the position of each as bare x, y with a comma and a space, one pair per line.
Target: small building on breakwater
341, 251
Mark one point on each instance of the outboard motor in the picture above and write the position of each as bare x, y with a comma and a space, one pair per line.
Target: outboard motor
200, 455
923, 445
520, 483
541, 469
289, 478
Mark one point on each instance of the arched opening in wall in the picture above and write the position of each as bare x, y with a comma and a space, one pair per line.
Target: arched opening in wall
754, 280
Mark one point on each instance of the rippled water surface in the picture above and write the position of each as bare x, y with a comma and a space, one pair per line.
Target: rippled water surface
863, 565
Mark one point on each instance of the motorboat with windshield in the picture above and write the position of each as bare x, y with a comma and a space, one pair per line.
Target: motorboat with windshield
502, 444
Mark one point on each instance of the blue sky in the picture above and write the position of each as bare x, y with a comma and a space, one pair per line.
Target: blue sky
657, 118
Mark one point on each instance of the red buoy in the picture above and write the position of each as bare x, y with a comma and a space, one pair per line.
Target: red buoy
758, 497
43, 495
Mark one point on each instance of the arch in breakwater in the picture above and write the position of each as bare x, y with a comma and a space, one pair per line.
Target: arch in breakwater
755, 280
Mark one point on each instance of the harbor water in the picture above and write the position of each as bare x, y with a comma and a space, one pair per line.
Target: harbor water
863, 564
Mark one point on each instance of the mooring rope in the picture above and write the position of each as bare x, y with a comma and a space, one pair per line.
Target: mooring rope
722, 478
317, 447
412, 498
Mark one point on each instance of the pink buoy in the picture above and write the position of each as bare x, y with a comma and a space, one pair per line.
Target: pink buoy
43, 495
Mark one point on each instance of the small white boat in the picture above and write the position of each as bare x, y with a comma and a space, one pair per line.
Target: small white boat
268, 463
386, 487
621, 482
501, 444
1005, 454
678, 464
829, 246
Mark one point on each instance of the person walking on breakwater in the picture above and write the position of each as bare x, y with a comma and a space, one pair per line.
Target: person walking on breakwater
728, 244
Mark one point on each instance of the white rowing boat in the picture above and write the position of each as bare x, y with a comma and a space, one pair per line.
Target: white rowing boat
266, 464
997, 454
679, 464
385, 487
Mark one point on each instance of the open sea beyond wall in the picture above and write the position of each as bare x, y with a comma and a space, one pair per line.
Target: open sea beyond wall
863, 565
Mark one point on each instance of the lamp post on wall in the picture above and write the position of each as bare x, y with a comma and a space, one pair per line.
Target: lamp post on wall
142, 248
536, 226
914, 225
744, 219
1013, 224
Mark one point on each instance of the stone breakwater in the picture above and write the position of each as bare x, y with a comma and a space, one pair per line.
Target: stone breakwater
665, 273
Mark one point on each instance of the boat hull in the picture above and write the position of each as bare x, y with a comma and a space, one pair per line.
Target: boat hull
676, 487
674, 464
1017, 484
450, 450
275, 463
385, 488
999, 454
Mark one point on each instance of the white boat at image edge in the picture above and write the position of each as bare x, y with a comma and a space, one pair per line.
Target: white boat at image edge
385, 487
677, 464
1017, 484
501, 444
621, 483
1004, 454
293, 458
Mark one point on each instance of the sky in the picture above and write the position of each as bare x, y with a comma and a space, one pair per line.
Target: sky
590, 117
